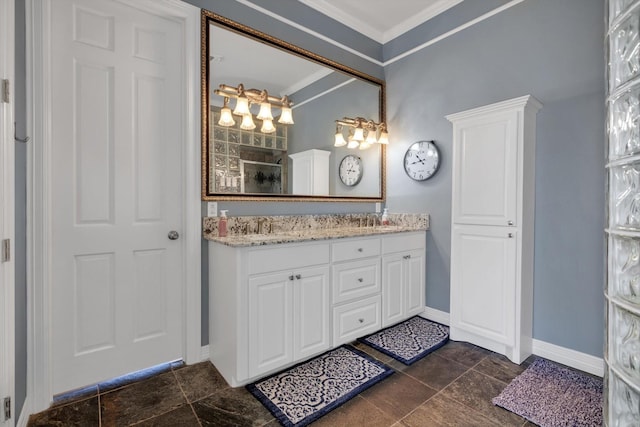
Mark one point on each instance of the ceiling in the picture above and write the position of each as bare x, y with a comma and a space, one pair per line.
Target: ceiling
381, 20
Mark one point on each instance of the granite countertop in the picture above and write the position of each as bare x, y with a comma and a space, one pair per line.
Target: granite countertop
244, 231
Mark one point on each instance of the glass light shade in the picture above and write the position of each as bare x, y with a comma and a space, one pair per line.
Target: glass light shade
339, 141
226, 119
247, 122
358, 135
242, 106
286, 118
265, 112
371, 137
364, 145
384, 138
267, 126
353, 144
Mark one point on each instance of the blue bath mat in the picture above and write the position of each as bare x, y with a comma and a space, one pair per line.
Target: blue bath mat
305, 392
410, 340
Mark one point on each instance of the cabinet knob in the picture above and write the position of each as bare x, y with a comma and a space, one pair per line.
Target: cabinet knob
510, 235
360, 249
360, 279
361, 320
509, 222
406, 256
291, 277
298, 276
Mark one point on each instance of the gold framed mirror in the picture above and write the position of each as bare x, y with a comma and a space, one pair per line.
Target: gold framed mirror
283, 155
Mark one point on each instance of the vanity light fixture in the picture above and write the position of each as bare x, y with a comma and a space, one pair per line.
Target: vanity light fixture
226, 118
247, 97
357, 128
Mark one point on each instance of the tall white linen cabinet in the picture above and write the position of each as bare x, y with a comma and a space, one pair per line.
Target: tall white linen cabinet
492, 226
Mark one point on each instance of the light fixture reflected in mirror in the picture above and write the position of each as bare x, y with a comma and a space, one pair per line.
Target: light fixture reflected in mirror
226, 118
339, 139
244, 99
356, 137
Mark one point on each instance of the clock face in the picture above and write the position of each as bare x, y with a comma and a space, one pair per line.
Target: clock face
422, 160
350, 170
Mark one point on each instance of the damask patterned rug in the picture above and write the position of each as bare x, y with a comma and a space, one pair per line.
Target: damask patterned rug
305, 392
551, 395
410, 340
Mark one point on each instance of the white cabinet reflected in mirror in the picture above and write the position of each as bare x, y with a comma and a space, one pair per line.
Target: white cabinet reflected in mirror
253, 161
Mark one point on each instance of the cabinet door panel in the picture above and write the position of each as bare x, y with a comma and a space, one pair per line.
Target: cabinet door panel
485, 182
311, 312
483, 281
415, 283
270, 320
393, 279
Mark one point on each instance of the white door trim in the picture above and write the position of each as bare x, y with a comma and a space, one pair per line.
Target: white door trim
39, 204
7, 213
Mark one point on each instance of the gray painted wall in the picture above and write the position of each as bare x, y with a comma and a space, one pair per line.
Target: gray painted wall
554, 51
550, 49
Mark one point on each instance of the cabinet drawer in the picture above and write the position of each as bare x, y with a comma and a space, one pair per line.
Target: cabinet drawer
356, 319
356, 279
287, 257
403, 242
355, 249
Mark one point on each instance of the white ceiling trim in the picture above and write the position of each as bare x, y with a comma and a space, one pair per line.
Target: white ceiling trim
452, 32
417, 19
307, 81
308, 31
381, 37
373, 60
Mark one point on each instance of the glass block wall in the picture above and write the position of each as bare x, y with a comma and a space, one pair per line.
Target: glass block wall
622, 291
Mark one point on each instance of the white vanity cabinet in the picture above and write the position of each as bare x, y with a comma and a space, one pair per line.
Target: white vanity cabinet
403, 277
268, 307
271, 306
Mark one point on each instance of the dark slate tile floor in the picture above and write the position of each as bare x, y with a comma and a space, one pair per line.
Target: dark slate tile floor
452, 386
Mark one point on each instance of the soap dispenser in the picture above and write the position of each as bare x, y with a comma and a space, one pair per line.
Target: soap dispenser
385, 217
222, 224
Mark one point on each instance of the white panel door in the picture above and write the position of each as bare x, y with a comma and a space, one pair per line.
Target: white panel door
116, 167
485, 181
311, 312
270, 322
483, 281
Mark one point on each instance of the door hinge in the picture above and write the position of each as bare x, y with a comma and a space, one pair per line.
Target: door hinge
6, 250
6, 94
7, 408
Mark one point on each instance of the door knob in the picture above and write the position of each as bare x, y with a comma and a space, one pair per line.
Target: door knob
173, 235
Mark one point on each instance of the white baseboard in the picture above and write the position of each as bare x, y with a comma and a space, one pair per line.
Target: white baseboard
24, 414
575, 359
204, 353
436, 315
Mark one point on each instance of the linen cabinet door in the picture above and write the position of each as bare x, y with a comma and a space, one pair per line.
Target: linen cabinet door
270, 322
311, 312
483, 284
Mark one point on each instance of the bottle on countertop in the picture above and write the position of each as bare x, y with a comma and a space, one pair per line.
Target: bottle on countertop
385, 217
222, 224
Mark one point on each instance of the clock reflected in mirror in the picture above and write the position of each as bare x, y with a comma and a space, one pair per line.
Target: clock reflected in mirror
350, 170
422, 160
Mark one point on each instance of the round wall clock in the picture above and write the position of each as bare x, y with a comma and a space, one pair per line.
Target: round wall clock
350, 170
422, 160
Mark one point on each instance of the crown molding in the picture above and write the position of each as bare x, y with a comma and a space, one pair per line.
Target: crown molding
417, 19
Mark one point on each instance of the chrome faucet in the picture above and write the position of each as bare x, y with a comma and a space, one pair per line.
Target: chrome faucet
264, 227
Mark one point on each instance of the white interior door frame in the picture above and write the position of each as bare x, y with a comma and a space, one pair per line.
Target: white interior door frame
7, 210
40, 204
